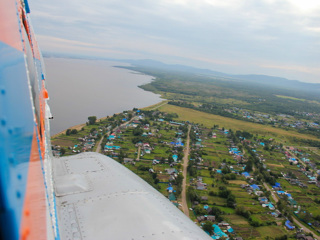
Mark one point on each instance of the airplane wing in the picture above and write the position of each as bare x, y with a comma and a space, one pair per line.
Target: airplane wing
98, 198
86, 196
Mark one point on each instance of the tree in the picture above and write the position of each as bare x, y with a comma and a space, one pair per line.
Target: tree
92, 120
179, 179
121, 156
192, 194
68, 132
200, 210
207, 226
62, 151
249, 166
231, 201
137, 131
170, 159
74, 131
242, 212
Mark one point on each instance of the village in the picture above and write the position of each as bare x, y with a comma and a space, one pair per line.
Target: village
301, 120
239, 185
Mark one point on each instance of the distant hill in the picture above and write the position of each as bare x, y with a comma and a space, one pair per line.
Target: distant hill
279, 82
175, 67
272, 81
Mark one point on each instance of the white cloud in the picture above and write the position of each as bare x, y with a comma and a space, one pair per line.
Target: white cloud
305, 6
220, 33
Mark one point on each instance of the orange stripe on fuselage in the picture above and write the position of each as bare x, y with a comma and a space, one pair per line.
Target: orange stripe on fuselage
9, 24
33, 224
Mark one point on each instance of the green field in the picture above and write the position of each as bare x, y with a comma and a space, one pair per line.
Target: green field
208, 120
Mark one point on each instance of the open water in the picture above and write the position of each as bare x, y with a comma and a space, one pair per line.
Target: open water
80, 88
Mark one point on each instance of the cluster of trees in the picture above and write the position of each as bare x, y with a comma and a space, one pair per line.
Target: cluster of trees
138, 131
282, 206
121, 156
240, 210
263, 175
225, 193
244, 134
92, 120
151, 178
71, 131
178, 182
192, 194
309, 142
191, 169
200, 211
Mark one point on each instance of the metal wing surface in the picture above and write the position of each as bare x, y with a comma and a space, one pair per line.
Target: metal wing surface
98, 198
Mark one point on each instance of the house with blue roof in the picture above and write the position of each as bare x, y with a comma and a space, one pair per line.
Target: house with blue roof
263, 200
175, 157
218, 233
111, 137
255, 187
246, 174
289, 225
169, 189
271, 207
230, 230
277, 185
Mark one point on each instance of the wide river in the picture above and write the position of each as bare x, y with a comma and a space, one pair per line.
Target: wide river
80, 88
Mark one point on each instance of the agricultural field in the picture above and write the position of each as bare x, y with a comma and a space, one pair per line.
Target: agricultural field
208, 120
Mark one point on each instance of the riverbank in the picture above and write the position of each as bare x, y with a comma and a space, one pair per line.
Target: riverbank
79, 88
78, 127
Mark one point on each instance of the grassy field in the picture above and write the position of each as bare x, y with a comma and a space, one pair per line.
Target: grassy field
208, 120
276, 230
155, 106
297, 99
292, 98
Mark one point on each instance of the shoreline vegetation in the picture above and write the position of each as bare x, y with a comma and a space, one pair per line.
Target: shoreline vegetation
79, 126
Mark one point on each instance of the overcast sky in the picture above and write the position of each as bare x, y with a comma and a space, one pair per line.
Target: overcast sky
273, 37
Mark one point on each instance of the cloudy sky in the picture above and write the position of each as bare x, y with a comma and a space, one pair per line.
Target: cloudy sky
273, 37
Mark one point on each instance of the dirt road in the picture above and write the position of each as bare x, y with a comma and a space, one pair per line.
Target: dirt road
139, 150
99, 144
273, 195
185, 208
